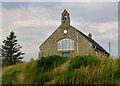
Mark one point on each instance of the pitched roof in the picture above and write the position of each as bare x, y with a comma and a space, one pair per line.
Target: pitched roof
93, 42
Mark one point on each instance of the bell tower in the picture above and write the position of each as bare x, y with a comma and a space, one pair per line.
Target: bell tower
65, 18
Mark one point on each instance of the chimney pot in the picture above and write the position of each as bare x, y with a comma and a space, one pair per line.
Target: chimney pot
90, 35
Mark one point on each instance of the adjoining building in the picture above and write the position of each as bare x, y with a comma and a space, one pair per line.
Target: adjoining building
67, 41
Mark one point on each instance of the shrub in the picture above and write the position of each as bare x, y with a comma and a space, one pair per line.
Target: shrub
85, 61
49, 62
41, 78
43, 65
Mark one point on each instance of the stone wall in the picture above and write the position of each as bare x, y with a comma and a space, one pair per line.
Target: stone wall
49, 47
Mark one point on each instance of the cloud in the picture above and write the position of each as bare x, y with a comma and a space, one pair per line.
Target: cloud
103, 33
30, 27
105, 27
33, 22
104, 30
92, 11
26, 17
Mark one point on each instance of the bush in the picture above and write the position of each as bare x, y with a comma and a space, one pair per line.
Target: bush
41, 78
85, 61
44, 64
49, 62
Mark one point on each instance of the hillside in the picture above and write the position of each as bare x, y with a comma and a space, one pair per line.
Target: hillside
61, 70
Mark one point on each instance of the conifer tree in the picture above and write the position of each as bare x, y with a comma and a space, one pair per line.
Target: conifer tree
10, 50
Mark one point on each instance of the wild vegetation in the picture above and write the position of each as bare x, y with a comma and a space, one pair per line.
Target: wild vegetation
63, 70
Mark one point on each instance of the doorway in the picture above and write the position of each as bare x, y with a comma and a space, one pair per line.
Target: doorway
66, 54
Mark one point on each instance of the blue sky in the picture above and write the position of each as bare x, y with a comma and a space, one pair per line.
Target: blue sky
33, 22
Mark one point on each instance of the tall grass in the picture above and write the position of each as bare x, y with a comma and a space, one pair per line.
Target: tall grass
104, 71
21, 73
60, 70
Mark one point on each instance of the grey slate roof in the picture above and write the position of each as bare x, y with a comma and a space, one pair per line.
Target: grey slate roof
93, 42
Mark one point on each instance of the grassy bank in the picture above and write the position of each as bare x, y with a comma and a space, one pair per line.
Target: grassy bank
61, 70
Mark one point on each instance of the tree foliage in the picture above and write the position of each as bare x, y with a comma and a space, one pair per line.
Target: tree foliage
10, 50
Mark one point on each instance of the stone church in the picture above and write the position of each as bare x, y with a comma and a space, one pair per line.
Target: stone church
67, 41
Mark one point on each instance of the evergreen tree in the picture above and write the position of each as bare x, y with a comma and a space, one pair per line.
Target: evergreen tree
10, 51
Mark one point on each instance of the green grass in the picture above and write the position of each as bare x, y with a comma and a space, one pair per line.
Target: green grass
60, 70
9, 77
70, 77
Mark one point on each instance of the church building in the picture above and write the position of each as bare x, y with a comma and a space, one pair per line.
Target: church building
67, 41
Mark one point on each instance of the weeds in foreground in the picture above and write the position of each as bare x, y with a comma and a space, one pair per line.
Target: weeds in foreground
80, 70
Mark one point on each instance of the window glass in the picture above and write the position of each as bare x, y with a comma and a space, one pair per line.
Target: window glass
65, 44
66, 54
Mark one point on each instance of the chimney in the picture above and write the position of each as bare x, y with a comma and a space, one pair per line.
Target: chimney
90, 35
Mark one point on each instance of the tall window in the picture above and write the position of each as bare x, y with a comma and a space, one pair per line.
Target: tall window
65, 44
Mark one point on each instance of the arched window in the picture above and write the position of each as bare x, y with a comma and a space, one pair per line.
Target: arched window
65, 44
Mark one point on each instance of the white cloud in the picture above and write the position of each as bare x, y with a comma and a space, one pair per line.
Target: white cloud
33, 25
103, 30
108, 35
103, 33
28, 24
105, 27
26, 17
